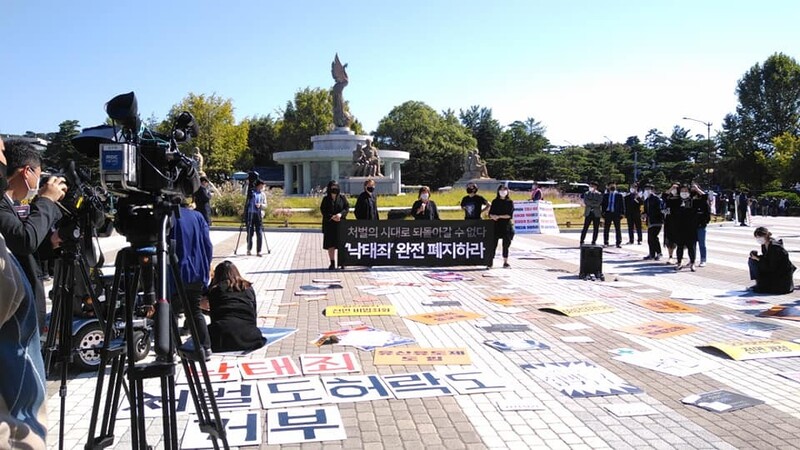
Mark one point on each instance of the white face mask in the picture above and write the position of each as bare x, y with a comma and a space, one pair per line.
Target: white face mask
424, 196
592, 190
633, 190
31, 191
684, 195
646, 194
673, 192
761, 240
503, 194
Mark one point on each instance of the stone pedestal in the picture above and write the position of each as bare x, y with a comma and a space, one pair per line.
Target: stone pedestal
353, 186
484, 184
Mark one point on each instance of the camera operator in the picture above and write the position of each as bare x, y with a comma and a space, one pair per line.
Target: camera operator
23, 421
35, 231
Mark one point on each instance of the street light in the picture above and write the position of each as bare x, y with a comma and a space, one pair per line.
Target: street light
708, 138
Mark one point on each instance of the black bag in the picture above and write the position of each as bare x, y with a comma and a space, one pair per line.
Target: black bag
591, 261
398, 214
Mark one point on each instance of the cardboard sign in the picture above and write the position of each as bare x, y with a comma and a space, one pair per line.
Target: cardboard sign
581, 379
420, 243
674, 364
417, 385
516, 345
276, 367
470, 381
721, 401
659, 329
421, 356
535, 217
242, 428
630, 409
329, 364
292, 392
359, 310
582, 309
356, 388
666, 306
505, 328
297, 425
756, 349
441, 317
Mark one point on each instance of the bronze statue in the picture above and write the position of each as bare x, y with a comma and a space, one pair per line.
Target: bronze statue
366, 162
340, 116
474, 167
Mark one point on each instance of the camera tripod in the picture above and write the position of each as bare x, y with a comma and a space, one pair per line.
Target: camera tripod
144, 263
247, 219
59, 336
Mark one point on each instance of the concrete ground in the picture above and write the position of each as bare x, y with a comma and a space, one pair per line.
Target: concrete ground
544, 267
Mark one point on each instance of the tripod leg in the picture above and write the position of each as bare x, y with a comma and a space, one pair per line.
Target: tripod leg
62, 297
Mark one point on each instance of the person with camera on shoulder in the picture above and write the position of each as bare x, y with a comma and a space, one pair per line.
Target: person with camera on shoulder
27, 232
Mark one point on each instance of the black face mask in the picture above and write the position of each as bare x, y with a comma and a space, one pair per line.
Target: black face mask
370, 189
3, 179
334, 191
612, 189
471, 191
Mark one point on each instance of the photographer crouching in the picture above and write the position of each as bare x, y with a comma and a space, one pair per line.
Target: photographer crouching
30, 229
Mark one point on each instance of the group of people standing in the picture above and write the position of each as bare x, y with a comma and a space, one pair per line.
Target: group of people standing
682, 211
335, 207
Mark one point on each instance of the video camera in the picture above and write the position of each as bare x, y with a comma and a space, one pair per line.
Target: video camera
137, 160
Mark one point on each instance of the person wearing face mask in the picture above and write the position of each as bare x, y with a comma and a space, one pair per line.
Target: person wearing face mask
501, 212
670, 199
334, 209
473, 204
23, 390
703, 218
654, 218
25, 237
424, 208
684, 217
613, 208
633, 214
367, 202
593, 204
772, 270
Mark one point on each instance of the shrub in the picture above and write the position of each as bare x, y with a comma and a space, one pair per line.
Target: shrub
228, 201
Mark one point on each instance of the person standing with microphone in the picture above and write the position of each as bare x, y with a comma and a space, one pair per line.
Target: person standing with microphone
425, 208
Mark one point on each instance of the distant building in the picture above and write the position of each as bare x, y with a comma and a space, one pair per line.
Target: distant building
38, 143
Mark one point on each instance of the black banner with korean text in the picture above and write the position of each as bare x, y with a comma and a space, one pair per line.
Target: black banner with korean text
424, 243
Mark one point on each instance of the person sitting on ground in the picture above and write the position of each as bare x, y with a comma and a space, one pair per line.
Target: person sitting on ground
232, 305
772, 269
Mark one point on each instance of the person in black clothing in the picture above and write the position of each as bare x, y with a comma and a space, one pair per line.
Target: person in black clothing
25, 236
202, 200
654, 217
772, 269
703, 218
334, 209
473, 204
232, 306
367, 203
613, 208
669, 229
424, 208
684, 215
633, 213
592, 211
501, 212
742, 208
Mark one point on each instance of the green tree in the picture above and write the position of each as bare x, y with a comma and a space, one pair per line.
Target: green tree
309, 114
222, 142
262, 140
484, 128
60, 149
522, 138
437, 143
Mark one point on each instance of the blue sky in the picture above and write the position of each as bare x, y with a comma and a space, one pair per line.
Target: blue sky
585, 69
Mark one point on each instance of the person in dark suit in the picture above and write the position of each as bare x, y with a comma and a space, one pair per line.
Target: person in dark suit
367, 203
772, 269
424, 208
633, 214
613, 208
742, 208
334, 209
654, 217
592, 211
24, 236
202, 200
232, 307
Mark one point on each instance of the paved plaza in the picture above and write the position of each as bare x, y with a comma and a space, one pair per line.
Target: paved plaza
543, 269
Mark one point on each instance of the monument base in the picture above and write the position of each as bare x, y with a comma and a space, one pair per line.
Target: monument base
484, 184
353, 186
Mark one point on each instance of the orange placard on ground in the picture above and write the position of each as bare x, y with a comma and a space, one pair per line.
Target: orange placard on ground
583, 309
421, 356
659, 329
440, 317
666, 306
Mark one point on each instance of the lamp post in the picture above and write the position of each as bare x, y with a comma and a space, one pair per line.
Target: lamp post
708, 139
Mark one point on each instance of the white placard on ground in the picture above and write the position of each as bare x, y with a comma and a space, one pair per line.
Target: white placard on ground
670, 363
298, 425
292, 392
573, 326
327, 364
417, 385
530, 404
277, 367
356, 388
242, 428
470, 381
577, 339
630, 409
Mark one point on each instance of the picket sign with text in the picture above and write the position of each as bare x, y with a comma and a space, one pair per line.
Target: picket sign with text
535, 218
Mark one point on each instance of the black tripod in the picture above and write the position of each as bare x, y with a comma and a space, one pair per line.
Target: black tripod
252, 178
59, 337
144, 265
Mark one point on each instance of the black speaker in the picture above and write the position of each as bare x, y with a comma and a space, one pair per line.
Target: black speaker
591, 261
